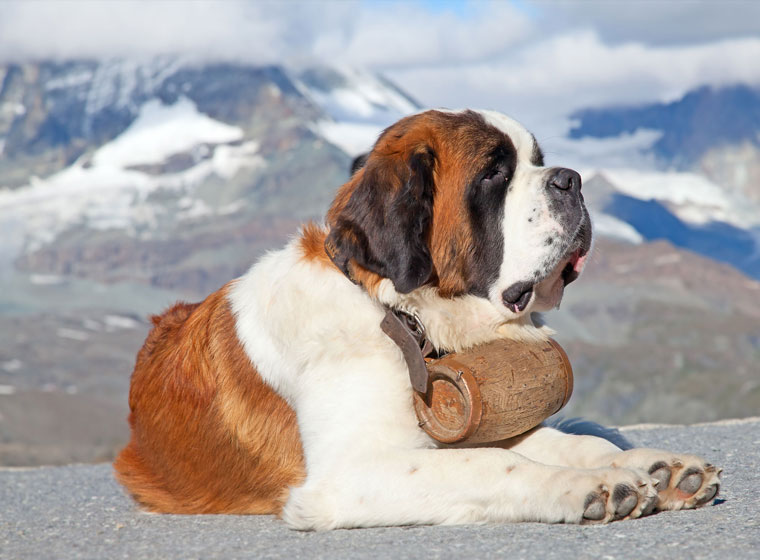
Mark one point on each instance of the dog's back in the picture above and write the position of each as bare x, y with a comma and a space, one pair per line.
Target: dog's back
216, 413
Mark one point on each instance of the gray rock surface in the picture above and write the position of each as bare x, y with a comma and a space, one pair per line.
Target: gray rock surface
79, 511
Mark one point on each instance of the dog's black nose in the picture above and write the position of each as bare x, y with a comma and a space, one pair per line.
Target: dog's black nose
566, 180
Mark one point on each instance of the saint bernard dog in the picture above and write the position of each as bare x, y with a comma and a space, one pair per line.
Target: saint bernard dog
280, 394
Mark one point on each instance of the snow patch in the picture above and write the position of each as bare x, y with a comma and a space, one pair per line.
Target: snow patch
73, 334
692, 197
12, 365
46, 279
161, 131
609, 226
106, 195
113, 322
364, 97
232, 207
679, 188
91, 324
358, 110
116, 83
13, 109
72, 80
6, 390
193, 208
352, 138
228, 160
670, 258
101, 196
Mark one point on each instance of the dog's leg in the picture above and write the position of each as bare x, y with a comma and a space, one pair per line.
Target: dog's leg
554, 447
451, 486
683, 481
369, 464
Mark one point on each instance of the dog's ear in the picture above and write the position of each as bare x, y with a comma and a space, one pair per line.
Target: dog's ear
358, 163
384, 225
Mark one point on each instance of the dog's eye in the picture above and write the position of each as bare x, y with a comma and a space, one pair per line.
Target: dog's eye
495, 177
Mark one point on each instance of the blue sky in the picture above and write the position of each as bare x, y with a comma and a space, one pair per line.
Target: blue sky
536, 60
460, 8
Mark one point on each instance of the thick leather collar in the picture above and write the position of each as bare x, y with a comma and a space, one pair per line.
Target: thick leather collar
409, 335
404, 329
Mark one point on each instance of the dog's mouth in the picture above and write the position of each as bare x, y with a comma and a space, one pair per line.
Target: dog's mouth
550, 290
572, 264
547, 291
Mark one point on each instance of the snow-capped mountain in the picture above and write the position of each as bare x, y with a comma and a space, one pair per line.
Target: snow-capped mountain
358, 105
104, 154
126, 185
701, 120
687, 171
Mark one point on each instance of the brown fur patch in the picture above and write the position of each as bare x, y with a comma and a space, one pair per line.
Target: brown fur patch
461, 143
208, 436
312, 243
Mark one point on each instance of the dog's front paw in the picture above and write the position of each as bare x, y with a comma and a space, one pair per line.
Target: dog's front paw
682, 481
610, 494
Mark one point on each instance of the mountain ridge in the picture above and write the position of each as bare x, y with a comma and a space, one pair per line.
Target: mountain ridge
702, 119
103, 224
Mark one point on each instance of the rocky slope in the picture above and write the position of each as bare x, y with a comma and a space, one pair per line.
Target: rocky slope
659, 334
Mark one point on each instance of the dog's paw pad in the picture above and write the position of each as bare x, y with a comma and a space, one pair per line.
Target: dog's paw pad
708, 495
691, 486
624, 499
595, 507
682, 481
660, 472
632, 495
691, 481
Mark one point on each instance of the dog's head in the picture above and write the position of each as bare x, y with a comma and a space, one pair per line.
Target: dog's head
461, 201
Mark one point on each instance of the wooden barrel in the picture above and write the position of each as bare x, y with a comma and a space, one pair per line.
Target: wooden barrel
494, 391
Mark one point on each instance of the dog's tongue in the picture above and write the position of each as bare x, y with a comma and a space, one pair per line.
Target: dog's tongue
574, 266
578, 261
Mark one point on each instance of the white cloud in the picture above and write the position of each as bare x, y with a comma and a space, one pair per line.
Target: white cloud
397, 34
655, 22
537, 61
255, 31
366, 34
547, 79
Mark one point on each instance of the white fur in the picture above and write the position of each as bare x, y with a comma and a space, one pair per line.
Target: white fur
455, 324
315, 338
528, 223
522, 140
